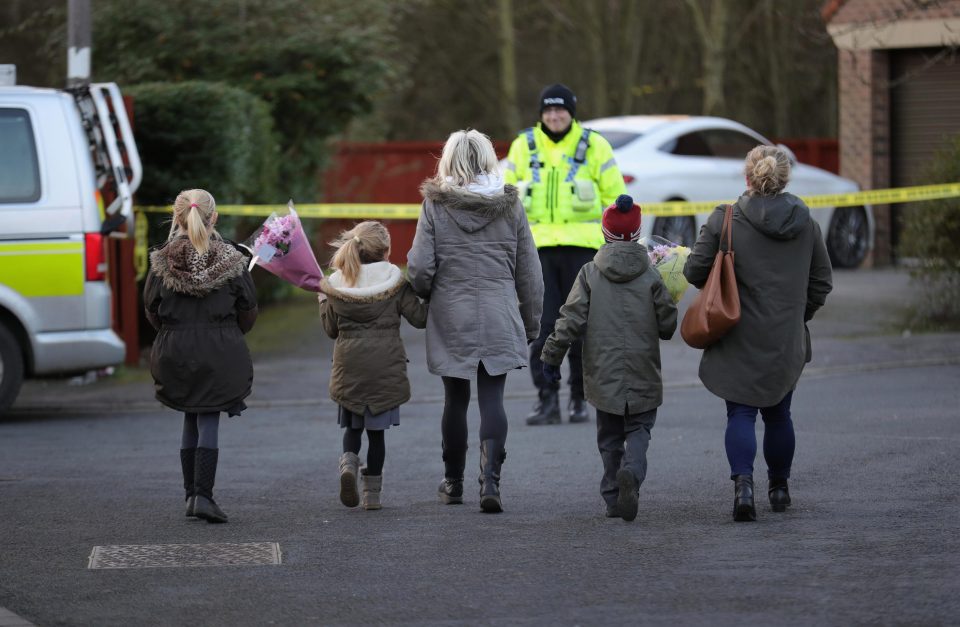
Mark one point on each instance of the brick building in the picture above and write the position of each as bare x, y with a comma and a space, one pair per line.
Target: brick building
899, 74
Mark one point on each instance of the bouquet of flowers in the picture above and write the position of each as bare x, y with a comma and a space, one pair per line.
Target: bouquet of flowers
668, 258
281, 248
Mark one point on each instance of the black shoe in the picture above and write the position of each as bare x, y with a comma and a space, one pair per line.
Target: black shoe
492, 455
613, 511
779, 494
743, 508
187, 462
546, 411
577, 410
205, 476
628, 499
451, 488
451, 491
208, 510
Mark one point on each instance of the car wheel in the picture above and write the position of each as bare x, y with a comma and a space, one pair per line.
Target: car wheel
677, 229
11, 368
847, 237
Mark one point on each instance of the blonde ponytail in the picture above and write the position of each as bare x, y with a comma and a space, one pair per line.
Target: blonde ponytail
767, 169
367, 242
193, 216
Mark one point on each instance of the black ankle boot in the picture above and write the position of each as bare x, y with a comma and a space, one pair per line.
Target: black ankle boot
205, 476
779, 494
187, 459
577, 410
546, 411
451, 488
628, 497
743, 508
492, 455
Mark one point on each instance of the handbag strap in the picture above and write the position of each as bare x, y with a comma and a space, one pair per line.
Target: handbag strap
727, 228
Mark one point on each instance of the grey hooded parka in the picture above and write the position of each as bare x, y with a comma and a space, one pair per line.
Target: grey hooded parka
474, 258
784, 276
621, 303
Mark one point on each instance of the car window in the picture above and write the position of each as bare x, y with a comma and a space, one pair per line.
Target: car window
728, 143
619, 139
689, 145
19, 171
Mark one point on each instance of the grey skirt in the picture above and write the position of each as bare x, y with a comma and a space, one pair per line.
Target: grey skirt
380, 422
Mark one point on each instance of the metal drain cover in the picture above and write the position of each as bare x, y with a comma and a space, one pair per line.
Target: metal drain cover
181, 555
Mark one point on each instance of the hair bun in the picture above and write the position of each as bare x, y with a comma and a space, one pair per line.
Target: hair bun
624, 203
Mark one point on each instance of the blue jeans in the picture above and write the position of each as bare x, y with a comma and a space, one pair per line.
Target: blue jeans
778, 438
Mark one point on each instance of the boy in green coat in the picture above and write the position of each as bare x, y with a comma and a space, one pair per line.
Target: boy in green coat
621, 310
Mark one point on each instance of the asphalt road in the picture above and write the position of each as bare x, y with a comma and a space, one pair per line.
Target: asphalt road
871, 538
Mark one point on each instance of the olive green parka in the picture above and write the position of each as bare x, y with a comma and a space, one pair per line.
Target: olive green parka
783, 277
621, 309
369, 361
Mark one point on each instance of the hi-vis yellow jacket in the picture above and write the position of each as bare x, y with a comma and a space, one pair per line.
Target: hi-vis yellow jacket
564, 186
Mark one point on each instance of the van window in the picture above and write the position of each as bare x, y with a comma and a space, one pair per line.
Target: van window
19, 171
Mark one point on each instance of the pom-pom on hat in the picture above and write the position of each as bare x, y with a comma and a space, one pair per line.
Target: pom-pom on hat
621, 220
558, 96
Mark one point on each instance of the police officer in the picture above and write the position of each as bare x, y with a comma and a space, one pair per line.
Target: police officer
566, 175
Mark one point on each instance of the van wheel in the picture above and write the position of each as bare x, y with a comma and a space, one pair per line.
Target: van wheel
11, 368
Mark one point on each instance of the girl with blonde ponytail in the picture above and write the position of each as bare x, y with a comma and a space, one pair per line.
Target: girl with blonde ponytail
201, 299
783, 277
194, 215
360, 307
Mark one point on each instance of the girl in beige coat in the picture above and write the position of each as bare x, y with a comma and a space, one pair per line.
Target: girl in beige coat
360, 307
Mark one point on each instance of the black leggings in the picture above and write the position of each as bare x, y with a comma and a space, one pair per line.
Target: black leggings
376, 448
493, 418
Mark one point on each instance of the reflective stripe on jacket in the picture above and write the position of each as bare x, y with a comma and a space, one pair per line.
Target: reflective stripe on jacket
564, 212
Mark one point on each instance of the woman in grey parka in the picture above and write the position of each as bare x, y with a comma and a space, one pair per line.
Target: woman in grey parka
783, 278
473, 257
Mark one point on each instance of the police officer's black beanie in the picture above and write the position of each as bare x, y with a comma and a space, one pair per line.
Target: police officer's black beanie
558, 96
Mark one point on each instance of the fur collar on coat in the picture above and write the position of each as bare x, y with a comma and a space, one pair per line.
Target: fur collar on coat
377, 281
460, 198
184, 270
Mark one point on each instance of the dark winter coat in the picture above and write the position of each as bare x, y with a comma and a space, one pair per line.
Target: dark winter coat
620, 302
474, 258
201, 305
369, 361
784, 276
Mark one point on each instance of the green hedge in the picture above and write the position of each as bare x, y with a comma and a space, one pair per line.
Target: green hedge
207, 135
212, 136
931, 236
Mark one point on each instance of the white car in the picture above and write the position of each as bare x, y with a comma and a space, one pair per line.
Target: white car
678, 157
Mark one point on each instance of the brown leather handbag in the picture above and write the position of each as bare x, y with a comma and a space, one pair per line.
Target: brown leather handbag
717, 307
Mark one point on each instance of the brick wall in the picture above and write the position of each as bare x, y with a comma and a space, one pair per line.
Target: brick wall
865, 132
864, 94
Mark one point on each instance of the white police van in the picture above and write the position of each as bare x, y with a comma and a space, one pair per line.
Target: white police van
61, 154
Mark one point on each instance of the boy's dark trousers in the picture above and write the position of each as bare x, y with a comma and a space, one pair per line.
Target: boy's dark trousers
623, 441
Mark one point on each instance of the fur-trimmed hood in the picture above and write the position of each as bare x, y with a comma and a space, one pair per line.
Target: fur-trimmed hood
376, 285
470, 210
184, 270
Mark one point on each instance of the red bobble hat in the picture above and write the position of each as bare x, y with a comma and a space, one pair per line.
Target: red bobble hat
621, 220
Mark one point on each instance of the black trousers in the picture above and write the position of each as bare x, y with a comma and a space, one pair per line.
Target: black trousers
623, 442
560, 265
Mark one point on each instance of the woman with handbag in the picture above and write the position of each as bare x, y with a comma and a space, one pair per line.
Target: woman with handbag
783, 276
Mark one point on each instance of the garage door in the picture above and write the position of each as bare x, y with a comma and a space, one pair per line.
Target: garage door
924, 114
